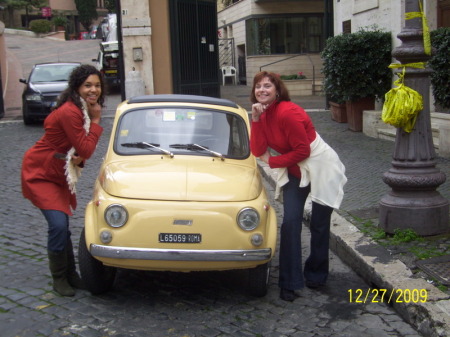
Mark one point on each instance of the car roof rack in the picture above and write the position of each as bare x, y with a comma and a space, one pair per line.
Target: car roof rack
182, 99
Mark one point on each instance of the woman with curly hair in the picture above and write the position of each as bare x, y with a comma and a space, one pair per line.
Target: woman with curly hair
306, 166
51, 167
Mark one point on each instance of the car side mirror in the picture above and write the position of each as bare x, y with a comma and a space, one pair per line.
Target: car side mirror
22, 80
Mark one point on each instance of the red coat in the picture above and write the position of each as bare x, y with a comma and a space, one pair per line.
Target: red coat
43, 176
286, 128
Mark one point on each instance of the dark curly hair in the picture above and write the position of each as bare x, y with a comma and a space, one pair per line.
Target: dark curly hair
76, 79
282, 91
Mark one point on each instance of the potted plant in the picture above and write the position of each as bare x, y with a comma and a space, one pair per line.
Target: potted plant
59, 22
334, 66
440, 63
356, 71
298, 84
298, 76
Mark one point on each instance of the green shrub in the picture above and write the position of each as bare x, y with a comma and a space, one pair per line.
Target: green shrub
355, 65
440, 64
40, 26
59, 21
298, 76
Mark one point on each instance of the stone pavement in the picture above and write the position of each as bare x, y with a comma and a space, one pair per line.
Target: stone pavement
383, 265
155, 303
366, 159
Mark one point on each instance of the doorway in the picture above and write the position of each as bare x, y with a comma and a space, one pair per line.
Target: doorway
193, 33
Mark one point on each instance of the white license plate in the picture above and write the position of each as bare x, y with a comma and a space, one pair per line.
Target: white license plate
180, 238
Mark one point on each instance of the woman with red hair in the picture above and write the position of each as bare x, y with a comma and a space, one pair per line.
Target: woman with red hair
306, 166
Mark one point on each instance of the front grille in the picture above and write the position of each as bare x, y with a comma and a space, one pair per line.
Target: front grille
50, 97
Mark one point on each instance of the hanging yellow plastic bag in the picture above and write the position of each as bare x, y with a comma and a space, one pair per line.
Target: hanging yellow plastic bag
401, 105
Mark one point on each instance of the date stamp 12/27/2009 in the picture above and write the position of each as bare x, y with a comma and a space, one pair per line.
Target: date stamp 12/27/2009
374, 295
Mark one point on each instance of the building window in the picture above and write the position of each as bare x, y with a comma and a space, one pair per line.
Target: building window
347, 27
229, 2
285, 35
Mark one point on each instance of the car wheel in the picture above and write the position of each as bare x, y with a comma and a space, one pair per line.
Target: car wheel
97, 277
258, 280
27, 120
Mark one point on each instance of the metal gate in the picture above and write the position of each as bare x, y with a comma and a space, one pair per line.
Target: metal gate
194, 47
226, 52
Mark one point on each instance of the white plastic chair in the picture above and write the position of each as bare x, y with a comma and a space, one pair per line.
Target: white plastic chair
228, 71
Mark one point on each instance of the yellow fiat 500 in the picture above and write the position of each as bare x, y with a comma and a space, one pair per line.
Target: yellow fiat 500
179, 191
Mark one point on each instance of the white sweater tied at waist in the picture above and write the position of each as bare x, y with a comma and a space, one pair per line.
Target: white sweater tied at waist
323, 170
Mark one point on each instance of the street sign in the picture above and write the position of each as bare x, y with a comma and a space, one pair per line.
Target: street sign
46, 12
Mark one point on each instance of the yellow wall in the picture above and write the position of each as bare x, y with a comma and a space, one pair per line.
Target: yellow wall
162, 60
3, 59
62, 5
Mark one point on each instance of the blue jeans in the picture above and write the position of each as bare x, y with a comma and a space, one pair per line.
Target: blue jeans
58, 230
291, 275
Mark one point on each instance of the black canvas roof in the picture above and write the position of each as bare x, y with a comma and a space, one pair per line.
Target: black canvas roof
182, 99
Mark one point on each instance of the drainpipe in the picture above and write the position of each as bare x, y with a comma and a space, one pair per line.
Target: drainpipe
121, 57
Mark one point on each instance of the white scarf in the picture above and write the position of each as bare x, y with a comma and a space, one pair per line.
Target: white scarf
73, 171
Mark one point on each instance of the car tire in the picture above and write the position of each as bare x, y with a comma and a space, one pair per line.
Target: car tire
258, 280
97, 277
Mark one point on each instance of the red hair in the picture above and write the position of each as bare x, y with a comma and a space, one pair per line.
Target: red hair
282, 91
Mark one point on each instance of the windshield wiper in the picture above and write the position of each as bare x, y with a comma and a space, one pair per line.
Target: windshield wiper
145, 145
195, 147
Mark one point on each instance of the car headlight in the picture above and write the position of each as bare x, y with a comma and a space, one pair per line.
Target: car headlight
248, 219
33, 97
116, 215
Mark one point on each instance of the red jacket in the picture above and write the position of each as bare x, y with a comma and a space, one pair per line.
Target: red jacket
286, 128
43, 176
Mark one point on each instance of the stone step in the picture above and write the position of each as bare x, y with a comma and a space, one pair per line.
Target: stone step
390, 133
373, 126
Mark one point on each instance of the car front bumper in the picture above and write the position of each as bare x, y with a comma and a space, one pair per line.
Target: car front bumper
179, 254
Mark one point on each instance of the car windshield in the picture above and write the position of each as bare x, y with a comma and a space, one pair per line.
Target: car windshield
111, 60
182, 131
53, 73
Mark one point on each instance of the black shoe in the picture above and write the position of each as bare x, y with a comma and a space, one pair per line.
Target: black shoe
314, 285
288, 295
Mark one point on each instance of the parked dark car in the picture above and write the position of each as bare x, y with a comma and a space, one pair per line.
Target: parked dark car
45, 83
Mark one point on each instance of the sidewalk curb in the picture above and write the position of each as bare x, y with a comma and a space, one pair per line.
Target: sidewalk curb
381, 271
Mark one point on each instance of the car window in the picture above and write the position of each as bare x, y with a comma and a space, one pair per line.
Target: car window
111, 60
41, 75
184, 131
51, 73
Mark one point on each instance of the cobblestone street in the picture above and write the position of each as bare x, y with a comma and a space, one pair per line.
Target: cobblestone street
156, 303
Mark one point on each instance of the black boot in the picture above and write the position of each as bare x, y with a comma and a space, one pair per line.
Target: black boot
288, 295
58, 269
72, 275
